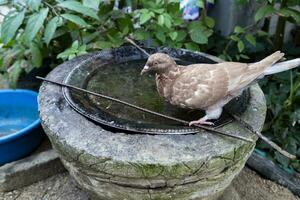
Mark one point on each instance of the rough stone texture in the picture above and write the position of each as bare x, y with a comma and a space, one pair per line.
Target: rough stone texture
246, 186
29, 170
135, 166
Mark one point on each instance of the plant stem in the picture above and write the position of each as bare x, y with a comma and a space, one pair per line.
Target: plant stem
226, 48
51, 7
203, 13
280, 27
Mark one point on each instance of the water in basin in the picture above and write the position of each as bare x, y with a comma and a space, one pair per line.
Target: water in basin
123, 81
14, 118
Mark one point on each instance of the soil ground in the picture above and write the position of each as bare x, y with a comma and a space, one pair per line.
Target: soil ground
250, 186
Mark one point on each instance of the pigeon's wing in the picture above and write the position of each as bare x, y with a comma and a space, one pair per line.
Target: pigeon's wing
199, 86
241, 75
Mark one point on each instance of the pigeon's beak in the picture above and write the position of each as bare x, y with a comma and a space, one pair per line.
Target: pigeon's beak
145, 69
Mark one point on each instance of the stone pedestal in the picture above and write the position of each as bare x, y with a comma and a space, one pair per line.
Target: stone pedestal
115, 166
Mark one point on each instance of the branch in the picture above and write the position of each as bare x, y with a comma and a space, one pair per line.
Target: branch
264, 138
137, 46
146, 110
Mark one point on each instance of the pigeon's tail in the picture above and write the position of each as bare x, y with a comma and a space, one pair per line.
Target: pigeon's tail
265, 63
271, 59
282, 66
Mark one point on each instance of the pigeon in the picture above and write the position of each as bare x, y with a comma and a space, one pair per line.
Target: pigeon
209, 86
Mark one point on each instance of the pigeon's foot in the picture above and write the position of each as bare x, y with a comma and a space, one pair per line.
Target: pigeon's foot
201, 122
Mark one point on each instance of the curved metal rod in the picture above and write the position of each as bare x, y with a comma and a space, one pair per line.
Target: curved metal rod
146, 110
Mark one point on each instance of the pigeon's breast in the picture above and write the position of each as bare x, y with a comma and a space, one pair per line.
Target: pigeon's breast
164, 86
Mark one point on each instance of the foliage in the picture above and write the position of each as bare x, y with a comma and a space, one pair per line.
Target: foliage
162, 22
282, 90
35, 30
282, 125
36, 33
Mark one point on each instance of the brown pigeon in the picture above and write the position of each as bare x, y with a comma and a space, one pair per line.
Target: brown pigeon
209, 86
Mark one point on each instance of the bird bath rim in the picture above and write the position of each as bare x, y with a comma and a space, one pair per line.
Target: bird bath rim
81, 74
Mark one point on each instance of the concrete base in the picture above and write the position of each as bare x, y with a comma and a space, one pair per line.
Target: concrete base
246, 186
40, 165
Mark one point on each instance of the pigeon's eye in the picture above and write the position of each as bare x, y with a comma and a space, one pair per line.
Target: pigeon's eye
155, 63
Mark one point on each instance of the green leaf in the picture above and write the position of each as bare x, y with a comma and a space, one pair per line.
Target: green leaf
251, 39
192, 46
51, 28
78, 7
160, 36
36, 55
75, 45
238, 29
158, 2
263, 12
181, 35
241, 46
82, 50
75, 19
10, 26
102, 45
94, 4
199, 33
210, 22
125, 30
15, 72
234, 38
66, 54
145, 16
199, 37
141, 35
161, 20
244, 56
289, 12
168, 23
200, 3
261, 33
34, 4
178, 21
167, 20
73, 51
159, 11
173, 35
34, 24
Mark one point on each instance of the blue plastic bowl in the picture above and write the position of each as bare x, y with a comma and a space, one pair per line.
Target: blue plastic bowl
20, 128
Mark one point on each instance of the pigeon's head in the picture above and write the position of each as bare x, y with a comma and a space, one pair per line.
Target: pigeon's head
158, 63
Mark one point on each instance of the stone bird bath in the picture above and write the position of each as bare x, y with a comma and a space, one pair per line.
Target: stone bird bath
115, 165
